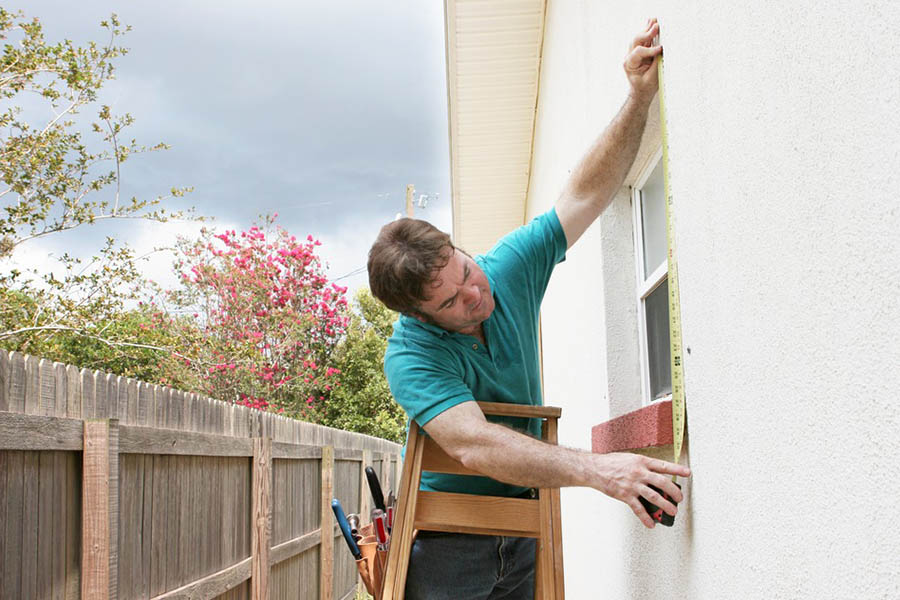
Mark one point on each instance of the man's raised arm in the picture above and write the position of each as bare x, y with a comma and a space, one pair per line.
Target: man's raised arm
601, 171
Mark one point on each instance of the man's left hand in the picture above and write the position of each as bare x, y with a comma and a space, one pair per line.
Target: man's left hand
641, 63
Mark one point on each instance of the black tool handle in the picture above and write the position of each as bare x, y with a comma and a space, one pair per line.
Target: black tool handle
375, 488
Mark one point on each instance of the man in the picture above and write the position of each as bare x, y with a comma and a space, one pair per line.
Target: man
468, 331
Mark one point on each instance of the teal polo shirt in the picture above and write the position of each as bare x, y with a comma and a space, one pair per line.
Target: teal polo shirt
430, 369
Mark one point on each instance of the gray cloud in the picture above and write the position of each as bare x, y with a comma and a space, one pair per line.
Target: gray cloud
314, 110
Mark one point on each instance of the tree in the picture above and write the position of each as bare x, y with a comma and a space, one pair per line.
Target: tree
363, 402
267, 319
60, 173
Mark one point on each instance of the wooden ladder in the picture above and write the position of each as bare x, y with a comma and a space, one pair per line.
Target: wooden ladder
466, 513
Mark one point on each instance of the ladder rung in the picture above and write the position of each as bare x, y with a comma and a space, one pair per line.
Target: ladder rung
484, 515
520, 410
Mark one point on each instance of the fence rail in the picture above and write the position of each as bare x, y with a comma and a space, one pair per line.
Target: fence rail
115, 488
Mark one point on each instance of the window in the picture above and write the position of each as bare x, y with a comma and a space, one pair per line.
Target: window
649, 202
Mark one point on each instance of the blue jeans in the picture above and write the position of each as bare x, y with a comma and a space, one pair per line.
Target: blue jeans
458, 566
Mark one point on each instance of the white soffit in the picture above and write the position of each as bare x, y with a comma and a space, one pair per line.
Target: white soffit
493, 70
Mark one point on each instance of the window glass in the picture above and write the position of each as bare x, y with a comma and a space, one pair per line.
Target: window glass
653, 219
656, 306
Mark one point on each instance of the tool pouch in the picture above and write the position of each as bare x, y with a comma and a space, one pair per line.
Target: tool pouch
371, 566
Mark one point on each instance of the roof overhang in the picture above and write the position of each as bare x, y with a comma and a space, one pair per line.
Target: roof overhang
493, 74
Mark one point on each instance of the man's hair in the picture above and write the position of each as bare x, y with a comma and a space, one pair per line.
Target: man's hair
404, 259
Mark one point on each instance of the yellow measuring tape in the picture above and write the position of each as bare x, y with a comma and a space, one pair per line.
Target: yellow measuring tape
674, 298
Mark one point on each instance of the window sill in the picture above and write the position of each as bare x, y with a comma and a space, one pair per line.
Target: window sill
646, 427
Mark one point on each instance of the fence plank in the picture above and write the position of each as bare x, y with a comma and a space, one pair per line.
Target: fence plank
146, 516
216, 515
88, 395
47, 388
110, 384
243, 485
32, 385
229, 502
145, 411
195, 512
44, 509
15, 490
131, 414
184, 517
58, 500
188, 408
30, 526
73, 526
59, 377
365, 498
122, 399
262, 515
16, 388
73, 392
173, 522
326, 550
205, 501
157, 407
101, 395
5, 375
5, 492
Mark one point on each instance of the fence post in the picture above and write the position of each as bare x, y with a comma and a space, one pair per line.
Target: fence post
326, 549
364, 501
99, 510
365, 497
262, 518
398, 470
385, 475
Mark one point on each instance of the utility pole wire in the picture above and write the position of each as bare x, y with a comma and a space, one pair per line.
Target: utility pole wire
351, 273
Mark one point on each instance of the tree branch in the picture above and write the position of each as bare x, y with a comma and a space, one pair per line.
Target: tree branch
110, 343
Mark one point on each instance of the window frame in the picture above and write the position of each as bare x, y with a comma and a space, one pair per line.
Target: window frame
645, 283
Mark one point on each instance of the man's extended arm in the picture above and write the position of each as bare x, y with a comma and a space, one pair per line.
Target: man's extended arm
600, 173
516, 458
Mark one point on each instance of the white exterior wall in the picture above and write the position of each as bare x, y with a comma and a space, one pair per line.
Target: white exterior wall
784, 126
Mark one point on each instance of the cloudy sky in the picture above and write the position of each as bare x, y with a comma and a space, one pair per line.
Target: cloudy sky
319, 111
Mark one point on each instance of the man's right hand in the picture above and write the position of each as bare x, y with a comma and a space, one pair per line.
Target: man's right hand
627, 477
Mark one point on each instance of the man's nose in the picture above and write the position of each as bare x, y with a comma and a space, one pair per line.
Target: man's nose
472, 294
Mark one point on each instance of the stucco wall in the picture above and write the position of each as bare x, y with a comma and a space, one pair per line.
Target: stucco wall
785, 152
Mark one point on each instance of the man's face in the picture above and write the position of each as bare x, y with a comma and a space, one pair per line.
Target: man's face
460, 296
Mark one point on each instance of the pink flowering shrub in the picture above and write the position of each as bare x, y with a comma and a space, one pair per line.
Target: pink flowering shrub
266, 319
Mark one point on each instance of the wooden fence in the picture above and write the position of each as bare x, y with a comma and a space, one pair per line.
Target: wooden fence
114, 488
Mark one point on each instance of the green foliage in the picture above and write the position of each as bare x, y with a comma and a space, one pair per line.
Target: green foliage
51, 170
127, 342
363, 402
256, 321
83, 298
60, 170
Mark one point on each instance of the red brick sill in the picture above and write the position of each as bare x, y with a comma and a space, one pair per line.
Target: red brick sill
643, 428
